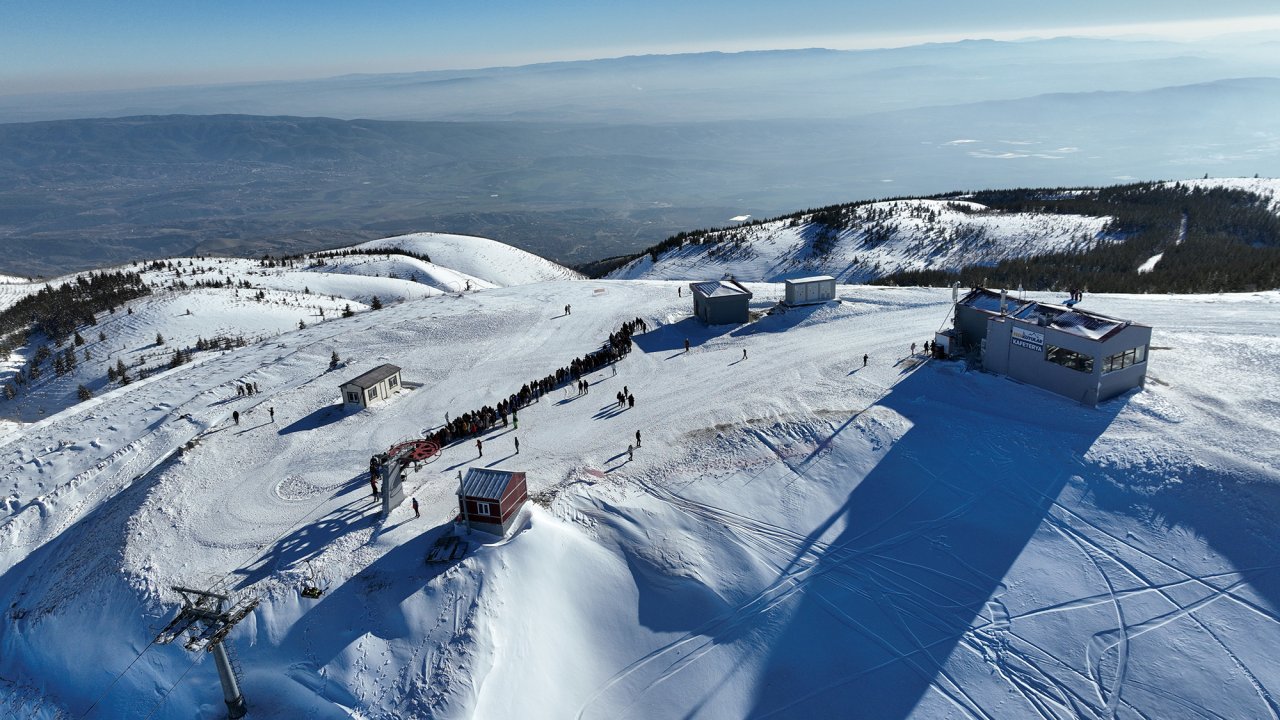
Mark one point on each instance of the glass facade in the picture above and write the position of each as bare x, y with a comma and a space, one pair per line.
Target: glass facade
1119, 361
1069, 358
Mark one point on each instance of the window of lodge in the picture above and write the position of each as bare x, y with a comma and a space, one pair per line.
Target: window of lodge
1069, 359
1119, 361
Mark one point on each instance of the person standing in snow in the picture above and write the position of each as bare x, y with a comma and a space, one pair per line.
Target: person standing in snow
864, 359
631, 400
272, 410
480, 447
415, 508
517, 444
913, 348
686, 344
637, 438
235, 415
679, 291
631, 453
744, 352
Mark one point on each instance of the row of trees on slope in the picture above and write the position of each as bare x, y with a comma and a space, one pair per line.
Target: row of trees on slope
1212, 240
1231, 239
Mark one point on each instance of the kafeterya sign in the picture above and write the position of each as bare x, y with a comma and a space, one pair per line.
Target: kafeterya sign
1029, 339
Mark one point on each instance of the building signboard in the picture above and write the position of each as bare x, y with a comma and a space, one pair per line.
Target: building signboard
1029, 339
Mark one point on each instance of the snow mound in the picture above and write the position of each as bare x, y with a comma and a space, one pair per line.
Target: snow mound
489, 260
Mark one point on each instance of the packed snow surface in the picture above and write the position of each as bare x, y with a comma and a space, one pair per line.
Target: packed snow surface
798, 535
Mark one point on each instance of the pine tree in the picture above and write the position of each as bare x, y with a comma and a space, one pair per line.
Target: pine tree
302, 325
334, 360
111, 373
347, 311
79, 339
376, 303
10, 391
83, 393
159, 339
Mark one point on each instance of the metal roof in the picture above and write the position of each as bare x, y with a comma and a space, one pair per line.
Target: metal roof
1070, 320
719, 288
487, 484
373, 377
815, 278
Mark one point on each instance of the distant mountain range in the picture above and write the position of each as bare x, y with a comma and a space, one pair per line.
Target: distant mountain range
586, 160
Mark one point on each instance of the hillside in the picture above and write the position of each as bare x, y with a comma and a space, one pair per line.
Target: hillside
199, 305
1220, 235
880, 238
796, 534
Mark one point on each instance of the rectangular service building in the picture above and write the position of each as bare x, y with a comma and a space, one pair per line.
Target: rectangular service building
376, 384
1081, 355
810, 290
720, 302
490, 500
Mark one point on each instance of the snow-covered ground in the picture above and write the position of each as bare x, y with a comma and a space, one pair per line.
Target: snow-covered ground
1268, 188
797, 535
885, 237
494, 262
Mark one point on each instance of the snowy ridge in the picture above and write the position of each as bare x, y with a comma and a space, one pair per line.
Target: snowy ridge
884, 238
494, 262
1266, 188
797, 534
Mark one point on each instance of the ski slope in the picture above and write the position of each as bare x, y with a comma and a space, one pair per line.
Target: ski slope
797, 535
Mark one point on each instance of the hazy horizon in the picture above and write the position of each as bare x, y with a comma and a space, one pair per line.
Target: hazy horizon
82, 46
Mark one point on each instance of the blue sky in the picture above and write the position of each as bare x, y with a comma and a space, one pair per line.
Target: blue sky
94, 44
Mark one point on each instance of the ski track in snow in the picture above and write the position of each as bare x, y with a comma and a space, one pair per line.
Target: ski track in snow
791, 501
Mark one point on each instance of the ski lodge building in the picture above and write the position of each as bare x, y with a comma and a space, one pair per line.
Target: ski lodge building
1081, 355
489, 500
377, 384
720, 302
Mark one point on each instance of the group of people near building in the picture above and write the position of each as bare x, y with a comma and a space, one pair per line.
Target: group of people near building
506, 411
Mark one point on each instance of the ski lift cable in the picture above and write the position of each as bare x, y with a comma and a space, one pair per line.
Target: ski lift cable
116, 679
210, 586
165, 697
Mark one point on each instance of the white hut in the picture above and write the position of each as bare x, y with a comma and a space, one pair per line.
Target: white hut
377, 384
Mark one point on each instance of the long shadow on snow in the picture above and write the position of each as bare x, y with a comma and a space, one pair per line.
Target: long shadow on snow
672, 337
929, 535
370, 602
75, 578
311, 539
317, 419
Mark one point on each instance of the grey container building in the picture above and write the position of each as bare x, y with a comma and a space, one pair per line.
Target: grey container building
377, 384
1081, 355
810, 290
719, 302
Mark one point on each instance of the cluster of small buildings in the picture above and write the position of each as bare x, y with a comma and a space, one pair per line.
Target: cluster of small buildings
721, 302
1081, 355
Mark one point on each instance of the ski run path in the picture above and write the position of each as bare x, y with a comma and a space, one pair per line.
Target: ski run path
797, 536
